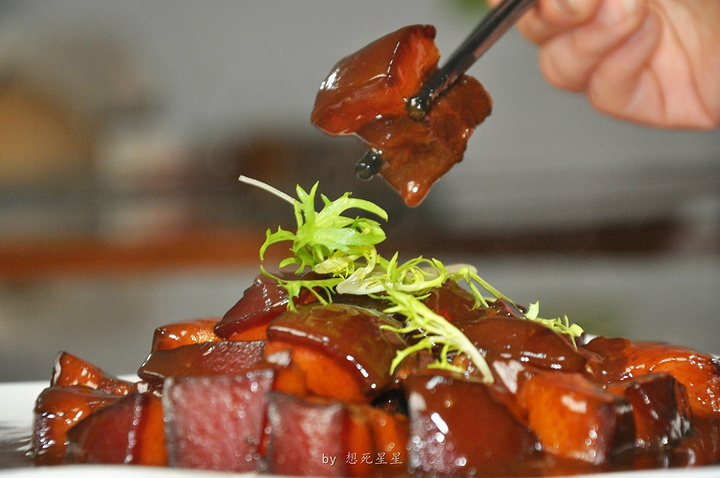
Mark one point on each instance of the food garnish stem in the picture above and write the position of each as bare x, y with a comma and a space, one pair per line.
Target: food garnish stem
266, 187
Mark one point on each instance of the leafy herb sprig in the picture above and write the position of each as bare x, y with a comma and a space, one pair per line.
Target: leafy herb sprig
432, 330
342, 250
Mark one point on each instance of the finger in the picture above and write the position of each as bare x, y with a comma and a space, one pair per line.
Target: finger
550, 18
632, 83
568, 60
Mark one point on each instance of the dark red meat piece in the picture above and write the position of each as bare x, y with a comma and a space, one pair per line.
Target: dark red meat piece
365, 94
57, 409
376, 80
188, 332
217, 423
459, 428
525, 340
576, 419
129, 431
660, 408
457, 304
264, 300
308, 436
621, 358
70, 370
418, 153
349, 335
205, 358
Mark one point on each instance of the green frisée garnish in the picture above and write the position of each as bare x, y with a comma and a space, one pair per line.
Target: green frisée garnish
432, 330
559, 325
320, 288
342, 252
326, 241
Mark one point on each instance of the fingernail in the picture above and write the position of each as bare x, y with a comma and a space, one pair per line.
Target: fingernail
566, 6
614, 12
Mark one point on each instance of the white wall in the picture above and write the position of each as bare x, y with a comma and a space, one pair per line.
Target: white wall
228, 67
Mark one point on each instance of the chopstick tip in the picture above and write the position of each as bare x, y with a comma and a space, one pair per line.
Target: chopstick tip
369, 165
417, 106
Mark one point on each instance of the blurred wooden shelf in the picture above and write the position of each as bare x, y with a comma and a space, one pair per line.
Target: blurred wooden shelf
238, 247
34, 258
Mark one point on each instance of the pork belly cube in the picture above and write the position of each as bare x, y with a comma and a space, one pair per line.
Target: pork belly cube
188, 332
376, 80
457, 427
619, 358
217, 422
576, 418
660, 408
526, 341
700, 447
345, 353
264, 300
57, 409
319, 436
206, 358
307, 436
70, 370
129, 431
390, 436
698, 372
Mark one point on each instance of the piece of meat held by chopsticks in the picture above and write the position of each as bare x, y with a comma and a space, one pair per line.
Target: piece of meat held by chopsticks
414, 117
366, 94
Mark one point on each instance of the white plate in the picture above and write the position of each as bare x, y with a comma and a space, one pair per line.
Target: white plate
82, 471
16, 406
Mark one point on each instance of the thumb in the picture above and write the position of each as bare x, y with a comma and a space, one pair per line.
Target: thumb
550, 18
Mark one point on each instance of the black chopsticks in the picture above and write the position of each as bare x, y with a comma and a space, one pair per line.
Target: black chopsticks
491, 28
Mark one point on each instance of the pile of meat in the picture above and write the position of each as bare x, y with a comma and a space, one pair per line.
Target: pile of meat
309, 392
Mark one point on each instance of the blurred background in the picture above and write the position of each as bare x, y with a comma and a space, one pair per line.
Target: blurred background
124, 127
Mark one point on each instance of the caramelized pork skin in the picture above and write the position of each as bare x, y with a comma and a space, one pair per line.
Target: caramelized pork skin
264, 300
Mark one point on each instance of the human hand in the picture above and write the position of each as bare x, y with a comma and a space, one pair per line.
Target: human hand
655, 62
